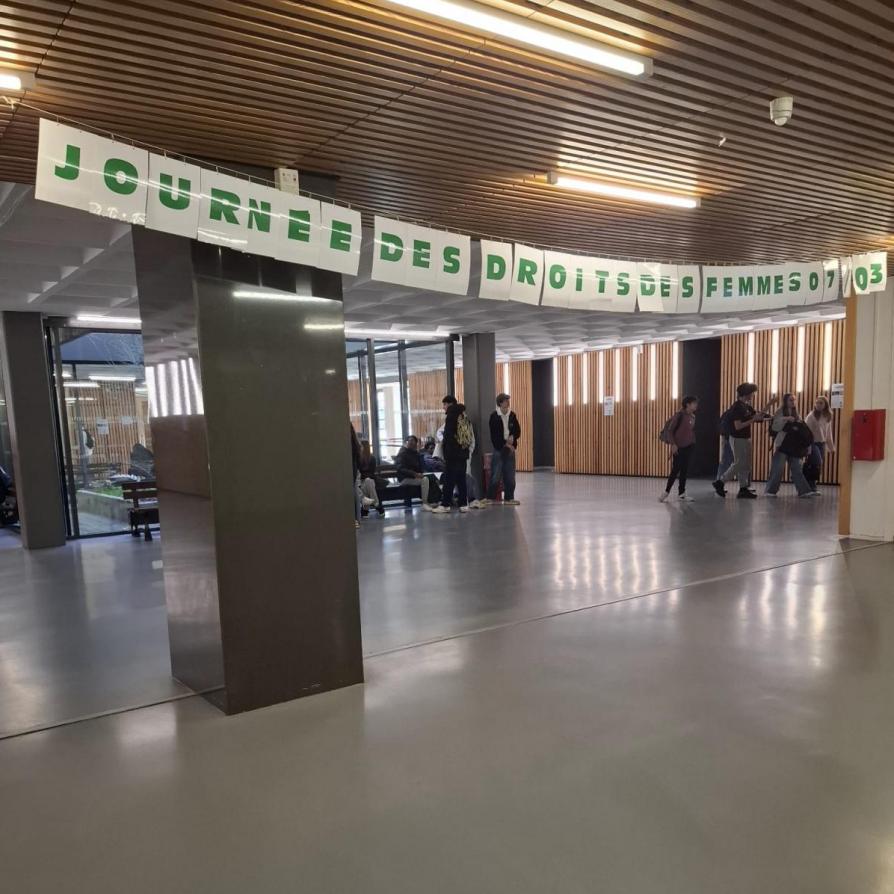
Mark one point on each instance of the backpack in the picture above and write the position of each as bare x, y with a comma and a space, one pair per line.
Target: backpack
464, 433
798, 440
89, 443
726, 423
667, 433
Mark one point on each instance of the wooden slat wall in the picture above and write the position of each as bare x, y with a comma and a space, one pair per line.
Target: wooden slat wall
587, 441
112, 402
426, 388
734, 364
520, 390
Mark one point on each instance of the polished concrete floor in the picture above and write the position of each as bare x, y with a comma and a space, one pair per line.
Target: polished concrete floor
83, 628
732, 736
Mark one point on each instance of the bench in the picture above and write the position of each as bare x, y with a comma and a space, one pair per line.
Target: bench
395, 492
144, 512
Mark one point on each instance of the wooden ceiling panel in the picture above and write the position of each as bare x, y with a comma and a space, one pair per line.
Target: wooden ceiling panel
425, 120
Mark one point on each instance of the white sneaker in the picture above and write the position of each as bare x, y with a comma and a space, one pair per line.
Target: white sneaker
441, 510
484, 502
463, 508
512, 502
685, 498
664, 497
772, 496
475, 504
367, 502
428, 507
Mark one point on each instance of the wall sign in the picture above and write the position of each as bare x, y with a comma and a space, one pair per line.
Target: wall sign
119, 181
608, 406
836, 401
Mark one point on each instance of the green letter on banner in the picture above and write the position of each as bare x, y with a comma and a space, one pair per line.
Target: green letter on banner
777, 284
259, 216
558, 276
814, 280
601, 277
710, 286
421, 253
763, 285
452, 259
623, 283
794, 281
496, 267
121, 176
392, 247
647, 284
224, 205
861, 277
72, 166
665, 287
299, 225
727, 287
166, 192
688, 284
746, 286
527, 270
340, 238
876, 277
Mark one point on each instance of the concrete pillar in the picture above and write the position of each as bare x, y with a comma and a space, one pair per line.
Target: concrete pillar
32, 429
245, 363
867, 494
479, 384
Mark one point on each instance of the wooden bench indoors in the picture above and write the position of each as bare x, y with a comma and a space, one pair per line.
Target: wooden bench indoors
144, 512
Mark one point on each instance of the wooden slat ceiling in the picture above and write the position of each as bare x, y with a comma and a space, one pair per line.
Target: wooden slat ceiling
423, 120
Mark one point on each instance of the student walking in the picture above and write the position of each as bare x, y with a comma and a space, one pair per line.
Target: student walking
457, 441
680, 435
819, 421
505, 432
791, 444
742, 417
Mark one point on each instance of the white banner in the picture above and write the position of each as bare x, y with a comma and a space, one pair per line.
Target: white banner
496, 270
118, 181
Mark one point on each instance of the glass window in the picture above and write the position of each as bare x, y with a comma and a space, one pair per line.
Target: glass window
427, 383
104, 416
389, 405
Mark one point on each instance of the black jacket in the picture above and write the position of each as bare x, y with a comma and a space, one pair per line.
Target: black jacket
408, 462
453, 453
496, 430
368, 470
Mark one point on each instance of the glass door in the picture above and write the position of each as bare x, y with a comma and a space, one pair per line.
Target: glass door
103, 421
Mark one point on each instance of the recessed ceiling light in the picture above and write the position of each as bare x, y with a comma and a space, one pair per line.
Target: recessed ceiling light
100, 318
16, 82
615, 191
523, 30
394, 334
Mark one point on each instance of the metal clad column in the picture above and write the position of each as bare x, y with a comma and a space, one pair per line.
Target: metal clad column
479, 390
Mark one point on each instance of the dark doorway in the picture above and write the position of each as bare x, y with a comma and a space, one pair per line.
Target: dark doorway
701, 376
542, 413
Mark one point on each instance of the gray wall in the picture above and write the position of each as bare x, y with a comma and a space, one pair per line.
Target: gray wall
32, 429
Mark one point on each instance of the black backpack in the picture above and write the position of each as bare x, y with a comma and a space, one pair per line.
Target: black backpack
797, 441
726, 422
666, 435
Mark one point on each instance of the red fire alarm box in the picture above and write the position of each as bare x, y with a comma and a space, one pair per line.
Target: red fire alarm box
868, 439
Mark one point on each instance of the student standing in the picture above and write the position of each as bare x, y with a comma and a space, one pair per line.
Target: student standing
791, 444
457, 441
682, 434
355, 459
742, 416
819, 421
504, 435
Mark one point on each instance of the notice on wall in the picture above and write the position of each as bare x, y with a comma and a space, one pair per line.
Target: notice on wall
837, 401
102, 426
608, 406
128, 420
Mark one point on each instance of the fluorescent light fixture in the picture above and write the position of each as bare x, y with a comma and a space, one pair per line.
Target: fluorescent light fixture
653, 371
616, 382
323, 327
774, 362
634, 375
555, 381
600, 376
524, 31
392, 334
749, 362
799, 370
162, 390
280, 296
675, 370
77, 384
616, 191
18, 81
153, 391
176, 394
99, 318
98, 378
187, 391
827, 356
506, 378
569, 379
585, 379
74, 400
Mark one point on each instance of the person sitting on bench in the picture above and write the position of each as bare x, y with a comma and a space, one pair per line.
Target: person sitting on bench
410, 470
371, 486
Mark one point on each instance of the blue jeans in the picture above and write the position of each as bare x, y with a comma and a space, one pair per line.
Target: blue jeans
777, 470
817, 457
502, 469
726, 458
